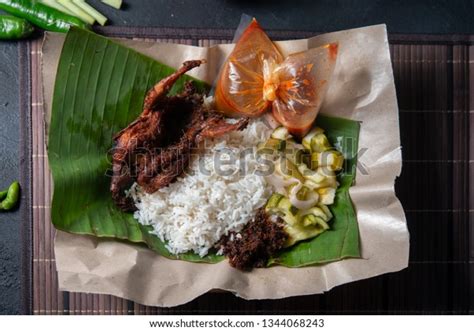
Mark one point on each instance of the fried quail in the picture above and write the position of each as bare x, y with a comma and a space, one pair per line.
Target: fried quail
156, 148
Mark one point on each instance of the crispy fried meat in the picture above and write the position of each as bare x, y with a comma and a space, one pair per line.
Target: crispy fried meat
156, 148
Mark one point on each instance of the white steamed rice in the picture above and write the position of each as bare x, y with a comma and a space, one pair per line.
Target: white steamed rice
194, 212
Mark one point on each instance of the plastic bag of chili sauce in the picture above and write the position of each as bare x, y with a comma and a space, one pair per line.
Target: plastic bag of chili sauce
256, 78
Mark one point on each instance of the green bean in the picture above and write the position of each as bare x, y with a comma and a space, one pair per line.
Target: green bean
13, 195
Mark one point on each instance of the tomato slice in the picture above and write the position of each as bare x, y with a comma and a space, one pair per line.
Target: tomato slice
239, 89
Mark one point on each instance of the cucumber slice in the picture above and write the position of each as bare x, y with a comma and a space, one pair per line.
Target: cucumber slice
330, 179
309, 136
276, 144
322, 177
295, 152
281, 133
288, 169
318, 222
281, 206
314, 161
326, 210
307, 173
273, 200
299, 232
320, 143
284, 204
327, 195
308, 220
337, 161
286, 216
317, 177
315, 211
332, 159
312, 185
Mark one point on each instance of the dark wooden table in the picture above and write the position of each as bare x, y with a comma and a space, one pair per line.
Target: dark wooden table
436, 117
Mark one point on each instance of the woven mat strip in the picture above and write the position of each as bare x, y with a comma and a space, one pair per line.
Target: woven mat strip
434, 86
46, 297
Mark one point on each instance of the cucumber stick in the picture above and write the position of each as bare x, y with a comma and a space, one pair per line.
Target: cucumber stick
54, 4
78, 12
101, 19
113, 3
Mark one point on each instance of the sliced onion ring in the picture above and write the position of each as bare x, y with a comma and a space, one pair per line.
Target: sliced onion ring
279, 183
302, 204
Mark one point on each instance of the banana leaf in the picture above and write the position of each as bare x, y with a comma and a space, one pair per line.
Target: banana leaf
100, 87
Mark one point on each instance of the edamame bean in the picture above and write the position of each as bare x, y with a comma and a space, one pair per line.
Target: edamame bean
12, 197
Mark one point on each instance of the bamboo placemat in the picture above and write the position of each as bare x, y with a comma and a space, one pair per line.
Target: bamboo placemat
434, 76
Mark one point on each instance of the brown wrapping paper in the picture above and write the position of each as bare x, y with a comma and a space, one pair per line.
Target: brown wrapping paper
363, 90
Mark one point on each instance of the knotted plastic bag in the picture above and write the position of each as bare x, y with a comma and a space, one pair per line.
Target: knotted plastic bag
256, 77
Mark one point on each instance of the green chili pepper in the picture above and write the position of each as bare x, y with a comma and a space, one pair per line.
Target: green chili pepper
41, 15
13, 194
3, 194
14, 28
